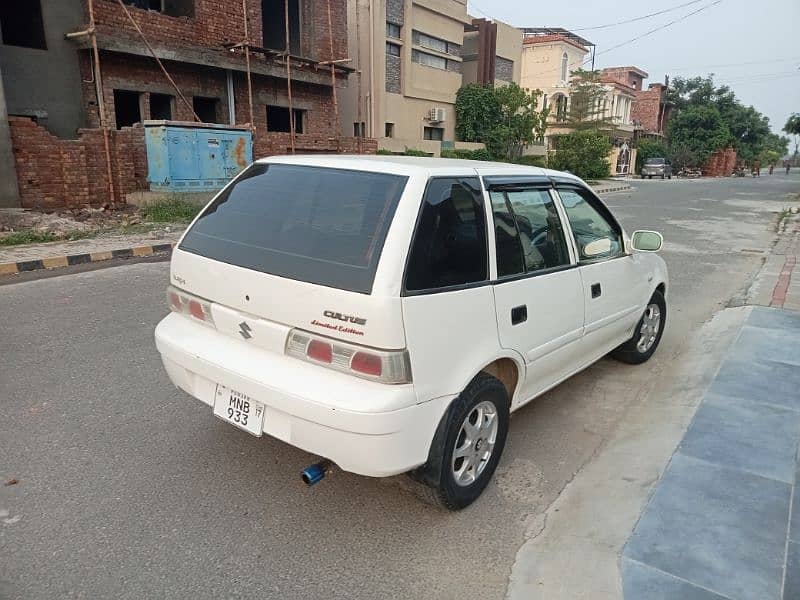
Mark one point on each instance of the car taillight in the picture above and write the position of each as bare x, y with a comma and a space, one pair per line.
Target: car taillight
386, 366
192, 306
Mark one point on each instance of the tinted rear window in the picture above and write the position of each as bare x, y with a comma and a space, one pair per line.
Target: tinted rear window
314, 224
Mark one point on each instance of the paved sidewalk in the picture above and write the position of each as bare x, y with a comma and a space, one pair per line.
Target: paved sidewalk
778, 283
31, 257
724, 520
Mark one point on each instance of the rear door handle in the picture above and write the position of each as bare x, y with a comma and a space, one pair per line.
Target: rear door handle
519, 314
596, 290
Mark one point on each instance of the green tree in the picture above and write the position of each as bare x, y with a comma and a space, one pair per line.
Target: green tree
583, 153
792, 127
505, 118
699, 129
477, 112
749, 130
587, 97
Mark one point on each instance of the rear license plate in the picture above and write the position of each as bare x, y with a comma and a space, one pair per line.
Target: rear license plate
239, 410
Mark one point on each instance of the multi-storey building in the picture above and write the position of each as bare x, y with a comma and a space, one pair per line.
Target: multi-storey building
411, 57
50, 76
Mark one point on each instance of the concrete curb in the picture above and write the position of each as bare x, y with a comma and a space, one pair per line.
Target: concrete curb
619, 188
53, 262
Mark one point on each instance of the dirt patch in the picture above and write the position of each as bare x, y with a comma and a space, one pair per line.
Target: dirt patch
21, 226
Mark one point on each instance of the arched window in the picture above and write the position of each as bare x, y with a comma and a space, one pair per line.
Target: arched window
544, 101
564, 62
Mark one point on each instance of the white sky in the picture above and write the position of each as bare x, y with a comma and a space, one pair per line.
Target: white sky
752, 46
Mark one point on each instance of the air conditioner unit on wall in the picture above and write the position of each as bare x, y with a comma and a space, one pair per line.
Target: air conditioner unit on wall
437, 115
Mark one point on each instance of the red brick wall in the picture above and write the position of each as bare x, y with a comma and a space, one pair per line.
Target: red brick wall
721, 163
645, 108
55, 173
217, 22
142, 74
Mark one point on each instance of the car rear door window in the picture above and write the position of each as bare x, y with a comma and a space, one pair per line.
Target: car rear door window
538, 243
313, 224
449, 246
590, 222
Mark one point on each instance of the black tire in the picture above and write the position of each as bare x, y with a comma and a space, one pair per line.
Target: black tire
662, 177
670, 177
436, 475
642, 176
629, 352
649, 176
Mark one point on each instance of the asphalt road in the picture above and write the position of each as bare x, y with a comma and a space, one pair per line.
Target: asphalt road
127, 488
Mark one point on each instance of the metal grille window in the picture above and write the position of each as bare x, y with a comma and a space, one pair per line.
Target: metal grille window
392, 49
392, 30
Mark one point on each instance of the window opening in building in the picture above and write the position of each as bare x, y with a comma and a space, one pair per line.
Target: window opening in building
274, 25
359, 129
160, 107
206, 108
126, 108
433, 133
173, 8
392, 49
564, 66
278, 119
388, 130
392, 30
21, 24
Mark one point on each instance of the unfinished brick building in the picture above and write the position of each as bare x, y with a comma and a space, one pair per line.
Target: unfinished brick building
201, 44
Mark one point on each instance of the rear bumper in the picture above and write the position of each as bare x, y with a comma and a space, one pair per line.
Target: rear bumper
364, 427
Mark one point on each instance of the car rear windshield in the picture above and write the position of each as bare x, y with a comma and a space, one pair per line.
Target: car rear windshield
314, 224
655, 161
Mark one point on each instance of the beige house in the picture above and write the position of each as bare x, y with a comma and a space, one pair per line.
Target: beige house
407, 54
548, 59
411, 57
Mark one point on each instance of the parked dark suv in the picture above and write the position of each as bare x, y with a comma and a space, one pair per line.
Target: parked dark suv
658, 167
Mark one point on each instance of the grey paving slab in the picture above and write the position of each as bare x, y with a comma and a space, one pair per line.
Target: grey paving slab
642, 582
718, 528
791, 587
774, 318
771, 382
744, 434
762, 343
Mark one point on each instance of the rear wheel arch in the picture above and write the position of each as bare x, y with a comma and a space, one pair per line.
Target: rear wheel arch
507, 371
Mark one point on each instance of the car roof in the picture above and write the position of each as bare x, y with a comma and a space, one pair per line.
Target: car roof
413, 165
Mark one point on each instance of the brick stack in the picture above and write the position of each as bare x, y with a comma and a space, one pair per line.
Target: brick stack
721, 163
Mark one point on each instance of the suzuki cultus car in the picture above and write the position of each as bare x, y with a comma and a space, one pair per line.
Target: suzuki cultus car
389, 313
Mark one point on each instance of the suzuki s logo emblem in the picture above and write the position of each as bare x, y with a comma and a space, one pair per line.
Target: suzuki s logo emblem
244, 330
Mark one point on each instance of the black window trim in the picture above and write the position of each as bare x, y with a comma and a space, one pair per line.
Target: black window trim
404, 291
509, 184
599, 205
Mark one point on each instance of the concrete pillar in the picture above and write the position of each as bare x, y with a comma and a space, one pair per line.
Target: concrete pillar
9, 192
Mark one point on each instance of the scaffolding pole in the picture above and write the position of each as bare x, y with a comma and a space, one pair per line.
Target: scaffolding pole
247, 64
333, 83
101, 105
160, 64
289, 74
359, 116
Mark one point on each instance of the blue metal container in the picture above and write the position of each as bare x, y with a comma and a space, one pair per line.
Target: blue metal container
182, 157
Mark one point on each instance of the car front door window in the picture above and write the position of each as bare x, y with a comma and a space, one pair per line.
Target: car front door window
528, 232
596, 236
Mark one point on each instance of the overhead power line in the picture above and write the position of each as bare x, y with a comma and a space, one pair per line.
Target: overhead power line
635, 19
659, 28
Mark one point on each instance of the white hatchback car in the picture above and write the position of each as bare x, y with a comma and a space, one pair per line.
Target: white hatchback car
388, 313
